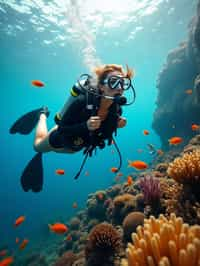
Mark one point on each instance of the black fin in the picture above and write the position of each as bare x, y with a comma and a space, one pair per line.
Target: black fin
26, 123
32, 176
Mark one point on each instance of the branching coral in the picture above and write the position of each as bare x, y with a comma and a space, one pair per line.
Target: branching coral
104, 242
186, 169
164, 242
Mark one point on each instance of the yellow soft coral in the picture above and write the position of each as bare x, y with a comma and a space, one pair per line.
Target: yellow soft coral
186, 169
164, 242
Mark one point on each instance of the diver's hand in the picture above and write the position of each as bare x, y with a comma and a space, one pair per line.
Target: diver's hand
121, 122
93, 122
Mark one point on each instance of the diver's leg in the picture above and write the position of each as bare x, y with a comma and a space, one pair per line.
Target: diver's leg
41, 143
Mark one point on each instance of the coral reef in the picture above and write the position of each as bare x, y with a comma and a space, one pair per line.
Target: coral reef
67, 259
103, 245
163, 242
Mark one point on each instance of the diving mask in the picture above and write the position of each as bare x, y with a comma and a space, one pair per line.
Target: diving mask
117, 82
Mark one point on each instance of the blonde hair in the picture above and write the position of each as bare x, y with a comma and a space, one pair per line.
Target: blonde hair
102, 71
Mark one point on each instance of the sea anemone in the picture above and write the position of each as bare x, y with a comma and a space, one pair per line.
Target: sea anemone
150, 187
103, 244
164, 242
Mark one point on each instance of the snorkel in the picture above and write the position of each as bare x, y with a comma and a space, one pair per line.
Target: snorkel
89, 85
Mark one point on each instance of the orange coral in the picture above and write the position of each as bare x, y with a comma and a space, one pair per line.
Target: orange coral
164, 242
186, 169
121, 199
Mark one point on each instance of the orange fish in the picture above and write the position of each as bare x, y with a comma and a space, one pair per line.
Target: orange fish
17, 240
58, 228
145, 132
23, 244
139, 165
188, 91
175, 140
7, 261
87, 173
37, 83
3, 252
160, 152
119, 174
19, 220
195, 127
129, 180
74, 205
60, 172
68, 238
114, 169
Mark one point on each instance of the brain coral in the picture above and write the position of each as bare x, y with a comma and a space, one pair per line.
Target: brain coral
164, 242
186, 169
130, 223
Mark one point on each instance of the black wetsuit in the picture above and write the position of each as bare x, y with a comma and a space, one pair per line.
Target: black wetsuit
72, 132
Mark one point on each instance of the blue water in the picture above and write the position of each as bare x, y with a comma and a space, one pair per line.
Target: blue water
29, 52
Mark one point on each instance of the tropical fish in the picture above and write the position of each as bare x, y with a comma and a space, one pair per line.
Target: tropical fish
160, 152
23, 244
87, 173
60, 172
7, 261
17, 240
195, 127
139, 165
145, 132
117, 178
58, 228
188, 91
68, 238
114, 169
175, 140
3, 252
37, 83
74, 205
139, 150
129, 180
19, 220
120, 174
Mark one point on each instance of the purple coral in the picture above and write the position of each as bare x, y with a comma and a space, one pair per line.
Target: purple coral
150, 187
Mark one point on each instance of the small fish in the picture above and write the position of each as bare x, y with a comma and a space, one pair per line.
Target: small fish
68, 238
58, 228
195, 127
145, 132
112, 142
117, 179
74, 205
114, 169
139, 165
17, 240
3, 252
60, 171
87, 173
23, 244
175, 140
7, 261
160, 152
139, 150
129, 180
37, 83
19, 220
188, 91
120, 174
112, 151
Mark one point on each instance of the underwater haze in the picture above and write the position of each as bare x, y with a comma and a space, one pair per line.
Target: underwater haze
55, 42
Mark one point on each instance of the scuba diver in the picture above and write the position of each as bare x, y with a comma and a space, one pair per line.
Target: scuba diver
90, 116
